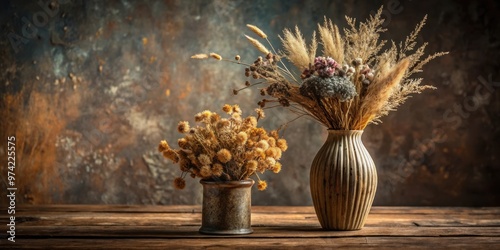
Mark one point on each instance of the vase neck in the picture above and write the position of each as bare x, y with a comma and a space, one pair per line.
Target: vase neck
336, 134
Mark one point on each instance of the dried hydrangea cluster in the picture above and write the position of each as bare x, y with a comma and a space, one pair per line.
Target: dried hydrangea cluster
354, 82
225, 149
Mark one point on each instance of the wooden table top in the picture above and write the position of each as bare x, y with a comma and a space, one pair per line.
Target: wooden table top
176, 227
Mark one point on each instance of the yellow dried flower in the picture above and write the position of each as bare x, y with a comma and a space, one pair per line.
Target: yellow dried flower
163, 146
251, 121
260, 113
171, 155
204, 159
263, 144
250, 143
281, 143
223, 123
272, 152
217, 169
224, 155
237, 109
272, 141
270, 161
227, 108
183, 143
274, 134
179, 183
183, 127
262, 185
214, 118
241, 138
259, 152
277, 167
205, 171
252, 166
216, 56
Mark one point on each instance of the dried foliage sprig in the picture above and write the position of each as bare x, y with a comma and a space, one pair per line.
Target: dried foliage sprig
354, 83
225, 149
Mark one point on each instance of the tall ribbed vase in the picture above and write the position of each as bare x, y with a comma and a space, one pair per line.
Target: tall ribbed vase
343, 181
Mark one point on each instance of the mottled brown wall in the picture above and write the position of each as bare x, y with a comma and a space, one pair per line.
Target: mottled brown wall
97, 86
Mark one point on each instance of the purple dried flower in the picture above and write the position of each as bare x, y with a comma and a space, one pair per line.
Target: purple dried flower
325, 66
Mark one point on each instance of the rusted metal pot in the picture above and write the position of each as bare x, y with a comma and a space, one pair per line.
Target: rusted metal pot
226, 207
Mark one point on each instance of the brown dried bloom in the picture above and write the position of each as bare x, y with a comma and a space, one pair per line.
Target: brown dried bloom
281, 143
227, 108
224, 155
183, 143
241, 138
217, 169
204, 159
260, 113
277, 167
171, 155
262, 185
263, 144
205, 171
163, 146
179, 183
183, 127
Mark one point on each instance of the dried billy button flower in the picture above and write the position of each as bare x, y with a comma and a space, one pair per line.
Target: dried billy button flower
183, 127
262, 185
179, 183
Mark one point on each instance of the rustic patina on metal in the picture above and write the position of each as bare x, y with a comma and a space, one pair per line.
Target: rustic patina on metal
226, 207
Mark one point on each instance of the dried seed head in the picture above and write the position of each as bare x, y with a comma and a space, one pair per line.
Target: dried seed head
247, 83
237, 57
227, 108
199, 56
179, 183
216, 56
257, 31
263, 92
183, 127
163, 146
262, 185
235, 91
258, 45
224, 155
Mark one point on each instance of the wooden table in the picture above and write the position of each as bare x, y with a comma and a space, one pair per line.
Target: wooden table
176, 227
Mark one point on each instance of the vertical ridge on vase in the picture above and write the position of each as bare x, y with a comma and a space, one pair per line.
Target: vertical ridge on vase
343, 181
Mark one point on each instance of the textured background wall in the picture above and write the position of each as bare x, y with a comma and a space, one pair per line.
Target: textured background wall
90, 88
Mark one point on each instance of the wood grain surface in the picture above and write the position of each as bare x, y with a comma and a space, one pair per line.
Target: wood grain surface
275, 227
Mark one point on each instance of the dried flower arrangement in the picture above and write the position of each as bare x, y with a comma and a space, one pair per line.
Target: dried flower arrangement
351, 85
225, 149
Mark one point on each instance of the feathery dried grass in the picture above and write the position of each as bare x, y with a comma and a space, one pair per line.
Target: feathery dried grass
378, 93
333, 45
295, 48
382, 78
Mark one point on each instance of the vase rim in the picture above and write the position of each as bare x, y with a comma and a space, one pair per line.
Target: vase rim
347, 131
241, 183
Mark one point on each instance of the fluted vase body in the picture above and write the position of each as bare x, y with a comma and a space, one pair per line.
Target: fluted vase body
343, 181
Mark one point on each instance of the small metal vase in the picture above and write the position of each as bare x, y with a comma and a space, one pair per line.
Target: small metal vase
226, 207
